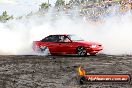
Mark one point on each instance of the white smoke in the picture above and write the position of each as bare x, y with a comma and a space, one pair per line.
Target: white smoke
114, 33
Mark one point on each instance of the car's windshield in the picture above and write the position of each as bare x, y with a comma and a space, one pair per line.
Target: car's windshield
75, 38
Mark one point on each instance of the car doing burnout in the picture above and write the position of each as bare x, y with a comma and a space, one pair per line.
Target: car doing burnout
66, 44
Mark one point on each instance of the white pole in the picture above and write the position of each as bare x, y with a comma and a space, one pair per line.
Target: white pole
48, 2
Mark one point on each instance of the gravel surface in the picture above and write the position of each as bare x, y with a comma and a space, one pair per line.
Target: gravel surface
60, 71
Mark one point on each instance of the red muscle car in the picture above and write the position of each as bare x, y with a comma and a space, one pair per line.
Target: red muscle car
67, 44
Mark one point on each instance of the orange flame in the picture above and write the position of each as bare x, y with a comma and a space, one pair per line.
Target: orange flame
81, 71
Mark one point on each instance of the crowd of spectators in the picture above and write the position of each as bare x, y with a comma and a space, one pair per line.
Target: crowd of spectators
91, 9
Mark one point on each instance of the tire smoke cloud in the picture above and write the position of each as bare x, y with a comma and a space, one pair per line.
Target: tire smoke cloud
114, 32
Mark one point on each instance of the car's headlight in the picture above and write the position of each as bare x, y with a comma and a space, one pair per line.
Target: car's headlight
93, 46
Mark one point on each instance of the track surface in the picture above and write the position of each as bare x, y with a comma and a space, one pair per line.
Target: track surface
60, 71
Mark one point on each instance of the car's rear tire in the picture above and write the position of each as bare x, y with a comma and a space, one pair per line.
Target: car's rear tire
43, 48
81, 51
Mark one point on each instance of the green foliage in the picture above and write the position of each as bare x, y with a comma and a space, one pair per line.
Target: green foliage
60, 3
4, 17
44, 5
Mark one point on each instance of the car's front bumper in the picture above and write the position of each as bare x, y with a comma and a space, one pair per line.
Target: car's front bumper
94, 50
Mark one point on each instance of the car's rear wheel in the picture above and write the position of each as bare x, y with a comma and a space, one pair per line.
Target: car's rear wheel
43, 48
81, 51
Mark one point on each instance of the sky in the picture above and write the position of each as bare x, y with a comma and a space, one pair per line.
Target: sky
21, 7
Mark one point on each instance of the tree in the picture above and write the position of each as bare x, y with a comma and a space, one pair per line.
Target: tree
44, 5
4, 17
59, 3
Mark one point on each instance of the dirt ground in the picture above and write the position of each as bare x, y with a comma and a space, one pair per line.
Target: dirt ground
60, 71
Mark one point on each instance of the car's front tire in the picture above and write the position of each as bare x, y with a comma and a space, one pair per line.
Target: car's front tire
81, 51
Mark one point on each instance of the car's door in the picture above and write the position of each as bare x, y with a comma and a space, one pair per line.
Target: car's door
52, 43
65, 45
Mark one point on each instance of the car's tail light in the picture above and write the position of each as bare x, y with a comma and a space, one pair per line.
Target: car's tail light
34, 46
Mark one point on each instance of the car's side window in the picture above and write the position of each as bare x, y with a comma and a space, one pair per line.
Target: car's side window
46, 39
55, 38
60, 38
51, 38
66, 39
63, 38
